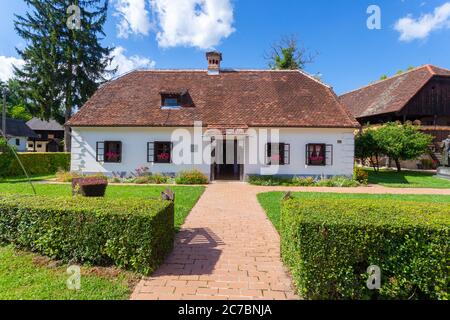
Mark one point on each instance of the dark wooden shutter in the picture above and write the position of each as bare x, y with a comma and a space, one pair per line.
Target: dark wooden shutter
287, 153
329, 155
119, 151
307, 154
268, 154
150, 152
100, 151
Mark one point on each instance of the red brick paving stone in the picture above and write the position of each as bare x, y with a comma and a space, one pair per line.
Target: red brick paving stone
226, 248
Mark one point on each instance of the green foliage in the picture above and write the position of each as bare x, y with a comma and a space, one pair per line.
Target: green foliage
329, 244
37, 164
287, 55
6, 157
271, 181
16, 105
152, 179
133, 234
193, 177
77, 55
396, 141
402, 142
361, 175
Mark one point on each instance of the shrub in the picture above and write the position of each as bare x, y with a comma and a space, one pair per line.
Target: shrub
329, 244
152, 179
191, 177
269, 181
6, 157
39, 164
361, 175
133, 234
303, 182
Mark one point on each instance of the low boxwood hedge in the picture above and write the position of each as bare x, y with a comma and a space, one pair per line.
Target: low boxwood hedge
329, 245
37, 164
131, 234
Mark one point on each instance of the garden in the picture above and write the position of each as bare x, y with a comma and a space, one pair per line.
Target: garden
117, 233
330, 240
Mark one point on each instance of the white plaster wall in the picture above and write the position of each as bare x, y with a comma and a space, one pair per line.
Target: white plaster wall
134, 151
22, 146
343, 153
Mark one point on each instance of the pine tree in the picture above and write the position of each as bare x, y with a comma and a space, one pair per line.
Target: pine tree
63, 66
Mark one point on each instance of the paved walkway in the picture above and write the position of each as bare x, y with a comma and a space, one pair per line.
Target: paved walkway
227, 249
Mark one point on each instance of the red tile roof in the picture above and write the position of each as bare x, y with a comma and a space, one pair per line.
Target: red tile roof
250, 98
389, 95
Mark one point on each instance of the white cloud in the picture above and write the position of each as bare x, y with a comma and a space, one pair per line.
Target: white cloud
193, 23
6, 67
411, 29
133, 18
126, 64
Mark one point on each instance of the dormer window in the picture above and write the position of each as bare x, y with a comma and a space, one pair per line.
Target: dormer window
171, 102
173, 99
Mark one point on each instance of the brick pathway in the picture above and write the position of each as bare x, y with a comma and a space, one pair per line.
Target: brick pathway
227, 249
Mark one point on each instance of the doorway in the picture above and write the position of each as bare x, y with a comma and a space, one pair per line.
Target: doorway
226, 165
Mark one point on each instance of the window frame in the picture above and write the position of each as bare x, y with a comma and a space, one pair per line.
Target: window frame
327, 153
155, 152
284, 150
102, 149
176, 97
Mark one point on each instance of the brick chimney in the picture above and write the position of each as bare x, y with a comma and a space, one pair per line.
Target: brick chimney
214, 59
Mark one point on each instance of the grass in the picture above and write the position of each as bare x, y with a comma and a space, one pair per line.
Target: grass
407, 179
25, 276
271, 201
25, 179
186, 197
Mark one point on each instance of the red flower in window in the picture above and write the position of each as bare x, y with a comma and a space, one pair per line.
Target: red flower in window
316, 158
111, 155
276, 158
164, 156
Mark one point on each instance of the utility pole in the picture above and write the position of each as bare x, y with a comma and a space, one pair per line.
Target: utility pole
4, 113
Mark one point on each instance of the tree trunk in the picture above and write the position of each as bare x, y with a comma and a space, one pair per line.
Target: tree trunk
67, 134
399, 167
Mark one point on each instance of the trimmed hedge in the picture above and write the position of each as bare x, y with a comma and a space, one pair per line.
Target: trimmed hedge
193, 177
329, 244
38, 164
131, 234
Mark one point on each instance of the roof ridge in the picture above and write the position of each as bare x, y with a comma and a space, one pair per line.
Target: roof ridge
390, 78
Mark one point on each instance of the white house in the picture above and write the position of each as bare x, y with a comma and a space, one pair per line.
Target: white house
226, 123
18, 134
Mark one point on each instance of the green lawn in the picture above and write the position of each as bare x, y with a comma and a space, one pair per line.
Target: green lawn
186, 197
407, 179
25, 276
271, 201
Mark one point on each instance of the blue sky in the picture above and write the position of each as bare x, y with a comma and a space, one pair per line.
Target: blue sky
176, 33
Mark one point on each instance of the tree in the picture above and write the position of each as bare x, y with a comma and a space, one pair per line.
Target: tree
367, 147
16, 106
63, 66
288, 55
402, 142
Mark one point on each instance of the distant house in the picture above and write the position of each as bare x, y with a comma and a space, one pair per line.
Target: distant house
49, 136
420, 96
18, 133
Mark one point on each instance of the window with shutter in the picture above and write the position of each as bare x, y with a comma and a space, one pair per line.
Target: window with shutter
316, 154
100, 152
278, 154
112, 152
163, 152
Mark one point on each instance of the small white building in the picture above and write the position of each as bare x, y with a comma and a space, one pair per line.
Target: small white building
18, 134
226, 123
